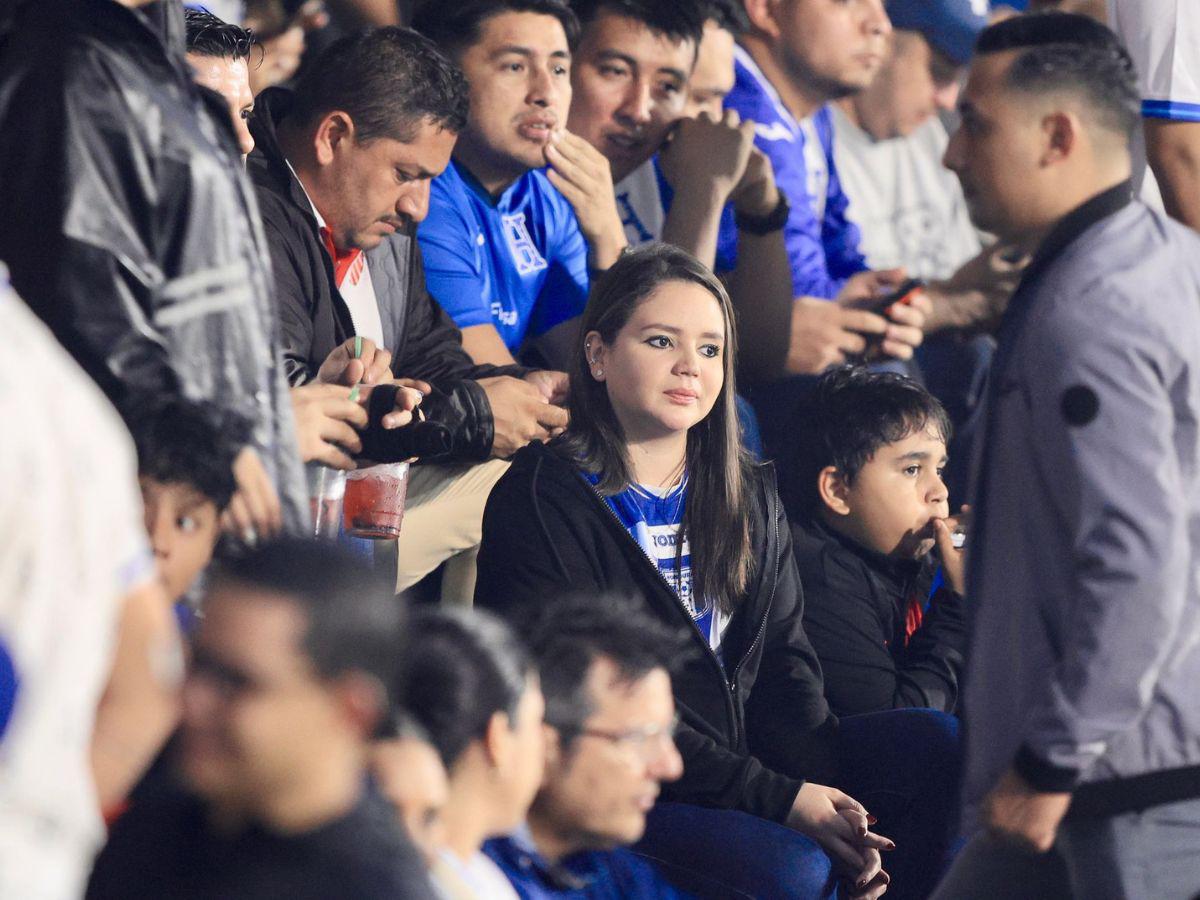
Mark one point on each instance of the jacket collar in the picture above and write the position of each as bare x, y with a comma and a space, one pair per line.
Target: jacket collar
1075, 223
270, 108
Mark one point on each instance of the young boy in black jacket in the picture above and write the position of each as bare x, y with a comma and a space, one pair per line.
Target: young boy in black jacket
868, 508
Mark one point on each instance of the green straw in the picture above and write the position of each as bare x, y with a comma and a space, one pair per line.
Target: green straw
357, 355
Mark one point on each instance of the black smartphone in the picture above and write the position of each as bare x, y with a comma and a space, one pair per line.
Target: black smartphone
902, 294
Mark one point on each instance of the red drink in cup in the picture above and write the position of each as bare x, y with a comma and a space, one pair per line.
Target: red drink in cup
374, 502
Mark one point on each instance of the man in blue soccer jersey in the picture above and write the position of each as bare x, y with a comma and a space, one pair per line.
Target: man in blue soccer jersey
796, 57
525, 209
1163, 37
707, 179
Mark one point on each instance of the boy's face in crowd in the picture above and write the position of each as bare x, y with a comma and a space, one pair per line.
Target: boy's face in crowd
519, 73
713, 77
257, 720
598, 790
630, 88
996, 151
377, 187
183, 526
411, 776
665, 368
231, 79
892, 503
833, 48
916, 82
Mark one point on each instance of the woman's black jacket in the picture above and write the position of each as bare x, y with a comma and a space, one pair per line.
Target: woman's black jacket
752, 730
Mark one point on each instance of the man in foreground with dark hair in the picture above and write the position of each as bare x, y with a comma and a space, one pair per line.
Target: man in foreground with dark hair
611, 717
610, 725
288, 681
1083, 715
342, 167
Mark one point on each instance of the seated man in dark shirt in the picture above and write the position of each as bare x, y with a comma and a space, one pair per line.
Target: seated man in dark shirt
342, 167
285, 686
868, 508
610, 719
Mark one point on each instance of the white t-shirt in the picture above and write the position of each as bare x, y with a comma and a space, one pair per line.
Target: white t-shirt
72, 545
1163, 37
908, 206
478, 877
640, 205
356, 287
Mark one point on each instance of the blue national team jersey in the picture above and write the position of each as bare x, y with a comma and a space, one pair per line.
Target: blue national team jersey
822, 243
518, 262
654, 521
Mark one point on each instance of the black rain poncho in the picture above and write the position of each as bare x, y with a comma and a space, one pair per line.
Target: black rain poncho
127, 222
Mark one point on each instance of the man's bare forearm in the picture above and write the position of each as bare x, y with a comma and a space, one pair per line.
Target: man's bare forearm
761, 290
1173, 151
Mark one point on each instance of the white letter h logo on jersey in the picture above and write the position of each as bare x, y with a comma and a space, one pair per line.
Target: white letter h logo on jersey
520, 245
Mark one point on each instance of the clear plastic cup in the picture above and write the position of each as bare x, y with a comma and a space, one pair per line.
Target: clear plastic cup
326, 492
374, 502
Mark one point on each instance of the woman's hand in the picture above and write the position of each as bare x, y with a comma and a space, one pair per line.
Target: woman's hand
841, 825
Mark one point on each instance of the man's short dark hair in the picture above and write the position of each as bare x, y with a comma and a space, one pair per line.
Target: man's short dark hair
852, 413
730, 15
209, 36
678, 20
188, 442
566, 636
389, 80
457, 26
354, 622
464, 666
1072, 53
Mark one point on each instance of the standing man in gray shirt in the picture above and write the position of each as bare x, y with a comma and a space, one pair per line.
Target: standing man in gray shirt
1082, 700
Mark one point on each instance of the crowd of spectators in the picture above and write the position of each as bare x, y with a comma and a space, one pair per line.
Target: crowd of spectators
793, 407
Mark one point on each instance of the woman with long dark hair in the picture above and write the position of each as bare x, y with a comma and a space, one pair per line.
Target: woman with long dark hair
650, 493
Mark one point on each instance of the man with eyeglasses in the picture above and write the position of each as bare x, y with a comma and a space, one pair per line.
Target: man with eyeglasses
610, 723
285, 687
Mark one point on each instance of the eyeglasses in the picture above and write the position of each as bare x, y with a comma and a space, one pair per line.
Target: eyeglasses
645, 743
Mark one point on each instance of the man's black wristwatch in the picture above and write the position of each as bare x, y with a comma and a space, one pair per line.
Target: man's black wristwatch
761, 225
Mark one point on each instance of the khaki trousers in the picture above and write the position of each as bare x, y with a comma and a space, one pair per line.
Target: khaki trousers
443, 522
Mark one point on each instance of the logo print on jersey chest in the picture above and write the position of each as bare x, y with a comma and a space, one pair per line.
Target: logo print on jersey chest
526, 256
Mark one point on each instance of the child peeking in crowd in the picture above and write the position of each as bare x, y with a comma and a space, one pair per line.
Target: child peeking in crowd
868, 510
185, 469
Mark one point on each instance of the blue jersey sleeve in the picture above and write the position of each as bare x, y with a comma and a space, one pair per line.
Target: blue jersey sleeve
839, 236
454, 273
565, 292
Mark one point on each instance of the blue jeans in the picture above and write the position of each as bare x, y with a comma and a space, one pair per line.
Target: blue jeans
904, 766
719, 853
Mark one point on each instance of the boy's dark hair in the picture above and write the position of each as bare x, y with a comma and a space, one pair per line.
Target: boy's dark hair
354, 622
464, 666
567, 635
456, 26
730, 15
209, 36
390, 80
851, 413
1073, 53
188, 442
678, 20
